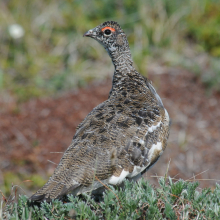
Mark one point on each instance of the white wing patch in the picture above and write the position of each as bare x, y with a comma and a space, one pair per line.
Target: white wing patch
167, 118
115, 180
153, 127
154, 147
136, 171
141, 142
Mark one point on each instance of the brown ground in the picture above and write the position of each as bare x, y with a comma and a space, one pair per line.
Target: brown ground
30, 132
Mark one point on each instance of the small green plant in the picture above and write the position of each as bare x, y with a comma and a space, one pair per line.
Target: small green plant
179, 200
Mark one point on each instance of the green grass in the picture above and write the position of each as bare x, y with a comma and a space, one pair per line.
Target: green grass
52, 55
30, 182
179, 200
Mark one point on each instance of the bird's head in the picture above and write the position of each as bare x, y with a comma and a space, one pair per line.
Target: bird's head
110, 35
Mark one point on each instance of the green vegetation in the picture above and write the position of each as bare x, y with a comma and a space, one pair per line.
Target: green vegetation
51, 55
23, 180
179, 200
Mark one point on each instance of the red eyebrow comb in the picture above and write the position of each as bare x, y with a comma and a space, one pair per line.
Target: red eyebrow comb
110, 28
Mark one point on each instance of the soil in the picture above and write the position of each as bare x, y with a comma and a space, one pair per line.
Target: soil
35, 134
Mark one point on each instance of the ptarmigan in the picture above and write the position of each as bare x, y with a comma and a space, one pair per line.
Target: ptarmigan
120, 138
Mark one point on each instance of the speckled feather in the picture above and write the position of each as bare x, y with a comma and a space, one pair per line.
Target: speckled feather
120, 138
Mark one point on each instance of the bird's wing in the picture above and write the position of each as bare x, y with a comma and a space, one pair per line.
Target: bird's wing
113, 142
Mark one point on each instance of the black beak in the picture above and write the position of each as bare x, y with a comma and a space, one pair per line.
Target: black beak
88, 34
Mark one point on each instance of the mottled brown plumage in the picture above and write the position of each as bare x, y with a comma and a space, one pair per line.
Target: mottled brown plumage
120, 138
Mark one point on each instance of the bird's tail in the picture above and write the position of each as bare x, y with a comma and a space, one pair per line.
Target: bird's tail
52, 190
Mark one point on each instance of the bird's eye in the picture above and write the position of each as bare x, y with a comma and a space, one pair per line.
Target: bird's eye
107, 32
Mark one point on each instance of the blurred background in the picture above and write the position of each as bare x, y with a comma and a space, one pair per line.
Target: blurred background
51, 78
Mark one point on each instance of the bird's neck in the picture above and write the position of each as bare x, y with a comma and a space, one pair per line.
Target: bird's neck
121, 57
122, 62
125, 73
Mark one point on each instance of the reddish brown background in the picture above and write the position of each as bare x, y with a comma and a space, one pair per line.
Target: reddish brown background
32, 130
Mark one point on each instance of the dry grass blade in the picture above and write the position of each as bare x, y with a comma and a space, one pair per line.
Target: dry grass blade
26, 181
3, 196
197, 174
52, 162
167, 170
56, 152
191, 179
